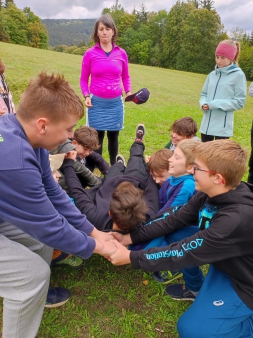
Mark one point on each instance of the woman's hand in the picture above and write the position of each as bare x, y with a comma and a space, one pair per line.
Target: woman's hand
87, 102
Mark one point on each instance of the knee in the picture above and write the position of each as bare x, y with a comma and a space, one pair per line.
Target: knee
189, 327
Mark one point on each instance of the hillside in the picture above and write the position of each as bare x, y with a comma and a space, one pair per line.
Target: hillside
68, 32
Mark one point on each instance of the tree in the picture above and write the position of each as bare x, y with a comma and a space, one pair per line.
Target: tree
201, 34
207, 4
171, 38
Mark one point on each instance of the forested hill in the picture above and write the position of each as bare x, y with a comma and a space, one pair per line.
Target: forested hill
68, 32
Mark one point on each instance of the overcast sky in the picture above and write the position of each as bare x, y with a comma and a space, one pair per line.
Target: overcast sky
233, 13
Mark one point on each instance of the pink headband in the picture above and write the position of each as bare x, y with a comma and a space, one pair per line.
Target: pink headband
226, 50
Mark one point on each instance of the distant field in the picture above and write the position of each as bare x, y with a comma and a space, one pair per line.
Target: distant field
107, 301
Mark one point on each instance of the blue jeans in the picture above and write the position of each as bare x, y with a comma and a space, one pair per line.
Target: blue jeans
217, 311
193, 277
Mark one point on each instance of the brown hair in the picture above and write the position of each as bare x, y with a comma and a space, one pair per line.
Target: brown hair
158, 161
2, 67
127, 207
106, 20
50, 95
188, 147
185, 126
87, 137
225, 157
235, 44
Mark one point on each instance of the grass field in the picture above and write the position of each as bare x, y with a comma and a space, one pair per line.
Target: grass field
110, 301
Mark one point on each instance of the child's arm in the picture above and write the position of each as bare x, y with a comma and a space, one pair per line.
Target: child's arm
99, 161
203, 94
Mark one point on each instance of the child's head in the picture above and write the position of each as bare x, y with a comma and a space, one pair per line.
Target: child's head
85, 140
219, 162
2, 67
183, 128
48, 111
227, 51
127, 207
182, 160
158, 165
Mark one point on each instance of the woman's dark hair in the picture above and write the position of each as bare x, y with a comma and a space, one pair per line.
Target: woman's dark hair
106, 20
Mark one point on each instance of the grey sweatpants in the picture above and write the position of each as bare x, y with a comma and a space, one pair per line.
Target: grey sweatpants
24, 280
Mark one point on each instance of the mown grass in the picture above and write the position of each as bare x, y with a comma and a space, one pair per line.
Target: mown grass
110, 301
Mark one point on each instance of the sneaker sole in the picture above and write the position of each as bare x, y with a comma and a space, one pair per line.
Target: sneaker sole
170, 280
174, 298
66, 266
50, 306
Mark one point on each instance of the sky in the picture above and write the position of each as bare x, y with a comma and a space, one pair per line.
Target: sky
233, 13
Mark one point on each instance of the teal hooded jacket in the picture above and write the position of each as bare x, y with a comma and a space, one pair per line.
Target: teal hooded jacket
224, 91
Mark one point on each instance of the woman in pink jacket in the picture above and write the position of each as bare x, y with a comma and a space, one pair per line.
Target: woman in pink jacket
104, 70
6, 103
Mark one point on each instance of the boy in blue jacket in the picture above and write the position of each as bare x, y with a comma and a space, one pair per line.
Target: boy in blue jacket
33, 208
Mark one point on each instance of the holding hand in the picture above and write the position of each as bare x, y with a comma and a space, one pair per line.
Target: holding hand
71, 154
123, 239
121, 256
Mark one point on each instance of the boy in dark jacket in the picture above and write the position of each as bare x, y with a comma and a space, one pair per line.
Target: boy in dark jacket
223, 208
95, 202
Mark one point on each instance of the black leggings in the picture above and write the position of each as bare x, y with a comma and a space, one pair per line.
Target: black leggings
113, 144
207, 138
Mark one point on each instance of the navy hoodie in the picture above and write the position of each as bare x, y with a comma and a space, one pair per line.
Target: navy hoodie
30, 198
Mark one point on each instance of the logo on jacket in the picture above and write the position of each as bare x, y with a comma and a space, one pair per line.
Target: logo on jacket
218, 302
1, 138
205, 216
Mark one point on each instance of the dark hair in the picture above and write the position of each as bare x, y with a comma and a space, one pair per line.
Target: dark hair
2, 67
127, 207
185, 126
49, 95
87, 137
159, 161
106, 20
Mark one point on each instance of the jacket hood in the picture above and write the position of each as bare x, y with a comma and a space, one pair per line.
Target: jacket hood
226, 70
239, 195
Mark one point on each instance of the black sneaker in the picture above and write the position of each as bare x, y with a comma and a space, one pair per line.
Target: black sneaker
179, 292
166, 277
120, 159
57, 297
140, 132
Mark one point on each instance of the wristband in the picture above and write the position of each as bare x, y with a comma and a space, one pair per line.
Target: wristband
85, 97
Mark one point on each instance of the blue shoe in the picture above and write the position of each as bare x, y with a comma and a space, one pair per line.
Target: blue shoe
166, 277
57, 297
179, 292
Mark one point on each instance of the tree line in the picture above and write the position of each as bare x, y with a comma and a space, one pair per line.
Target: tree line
185, 38
21, 27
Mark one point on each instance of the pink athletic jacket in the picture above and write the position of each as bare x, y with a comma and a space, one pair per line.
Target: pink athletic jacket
107, 73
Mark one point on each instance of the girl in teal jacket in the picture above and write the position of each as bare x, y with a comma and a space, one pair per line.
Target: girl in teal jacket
223, 92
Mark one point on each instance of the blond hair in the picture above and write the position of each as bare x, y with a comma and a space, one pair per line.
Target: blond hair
49, 95
188, 147
225, 157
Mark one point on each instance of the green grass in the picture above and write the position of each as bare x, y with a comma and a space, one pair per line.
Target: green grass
110, 301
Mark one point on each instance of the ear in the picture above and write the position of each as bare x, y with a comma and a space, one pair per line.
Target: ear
41, 125
109, 213
219, 179
74, 143
189, 169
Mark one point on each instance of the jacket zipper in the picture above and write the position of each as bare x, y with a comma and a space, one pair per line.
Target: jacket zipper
213, 98
225, 120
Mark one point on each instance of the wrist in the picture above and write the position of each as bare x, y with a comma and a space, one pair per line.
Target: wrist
85, 96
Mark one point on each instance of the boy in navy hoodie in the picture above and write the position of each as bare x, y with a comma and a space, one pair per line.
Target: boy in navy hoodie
33, 207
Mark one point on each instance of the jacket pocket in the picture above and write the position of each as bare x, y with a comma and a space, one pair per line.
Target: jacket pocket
225, 119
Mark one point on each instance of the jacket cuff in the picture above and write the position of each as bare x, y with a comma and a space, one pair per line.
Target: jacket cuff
134, 258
